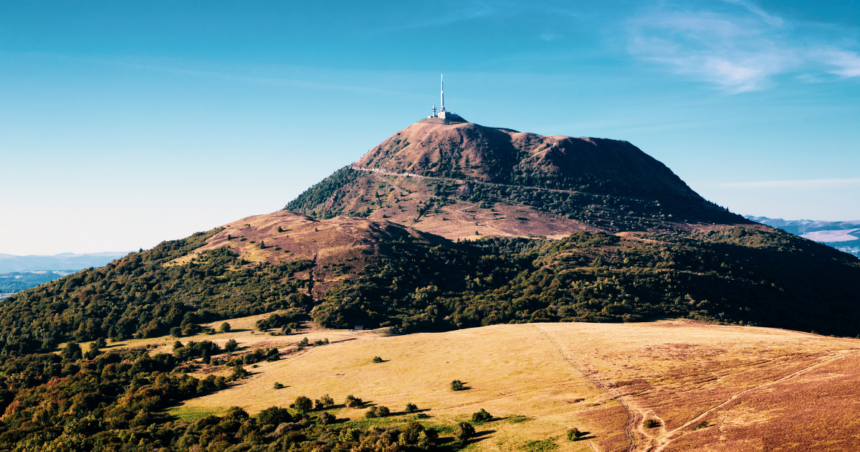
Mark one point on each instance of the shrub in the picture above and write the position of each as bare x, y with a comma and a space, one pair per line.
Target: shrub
353, 402
377, 411
457, 385
278, 385
574, 434
176, 331
326, 418
324, 402
274, 416
410, 408
231, 345
303, 404
377, 359
651, 423
421, 416
304, 342
464, 431
239, 373
482, 416
224, 328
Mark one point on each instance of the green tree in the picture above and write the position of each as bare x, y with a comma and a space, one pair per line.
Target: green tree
224, 328
231, 345
481, 416
303, 404
464, 431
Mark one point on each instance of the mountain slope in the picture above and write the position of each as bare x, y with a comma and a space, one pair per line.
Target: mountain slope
464, 180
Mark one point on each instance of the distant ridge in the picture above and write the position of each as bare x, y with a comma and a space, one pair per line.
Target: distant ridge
842, 235
64, 261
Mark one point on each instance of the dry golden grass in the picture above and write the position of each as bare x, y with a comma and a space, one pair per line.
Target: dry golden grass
710, 387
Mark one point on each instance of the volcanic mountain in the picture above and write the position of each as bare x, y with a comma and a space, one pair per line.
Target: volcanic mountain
568, 229
465, 180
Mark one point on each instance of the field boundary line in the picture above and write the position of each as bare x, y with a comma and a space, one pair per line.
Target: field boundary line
631, 418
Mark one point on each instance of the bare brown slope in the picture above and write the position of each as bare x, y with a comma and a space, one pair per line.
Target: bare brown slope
467, 180
339, 248
487, 154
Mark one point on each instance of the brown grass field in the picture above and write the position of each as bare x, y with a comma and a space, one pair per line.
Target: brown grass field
710, 388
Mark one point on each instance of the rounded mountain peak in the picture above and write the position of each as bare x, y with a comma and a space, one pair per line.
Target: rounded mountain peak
468, 151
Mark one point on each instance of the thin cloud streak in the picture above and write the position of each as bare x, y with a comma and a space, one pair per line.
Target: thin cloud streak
808, 183
740, 49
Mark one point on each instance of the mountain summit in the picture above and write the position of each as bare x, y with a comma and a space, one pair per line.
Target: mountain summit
462, 180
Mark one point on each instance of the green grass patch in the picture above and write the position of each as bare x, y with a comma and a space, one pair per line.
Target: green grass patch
189, 414
546, 445
517, 418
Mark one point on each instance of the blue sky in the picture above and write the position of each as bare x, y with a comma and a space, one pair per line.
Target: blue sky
126, 123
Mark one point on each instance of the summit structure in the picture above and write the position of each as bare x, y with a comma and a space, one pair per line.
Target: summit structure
444, 113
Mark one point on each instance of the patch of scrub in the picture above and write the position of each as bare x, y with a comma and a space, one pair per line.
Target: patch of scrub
546, 445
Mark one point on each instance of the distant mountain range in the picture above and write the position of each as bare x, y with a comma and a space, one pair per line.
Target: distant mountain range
64, 261
842, 235
19, 273
11, 283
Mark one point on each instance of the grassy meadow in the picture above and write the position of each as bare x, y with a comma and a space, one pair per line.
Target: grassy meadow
671, 385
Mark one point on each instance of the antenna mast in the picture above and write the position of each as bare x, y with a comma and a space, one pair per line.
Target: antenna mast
442, 108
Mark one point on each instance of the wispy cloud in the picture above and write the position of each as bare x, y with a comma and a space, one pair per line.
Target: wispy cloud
739, 47
807, 183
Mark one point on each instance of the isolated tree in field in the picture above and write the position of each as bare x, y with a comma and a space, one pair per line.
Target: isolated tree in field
100, 343
482, 416
411, 408
574, 434
280, 229
464, 431
377, 359
278, 385
303, 404
225, 327
457, 385
353, 402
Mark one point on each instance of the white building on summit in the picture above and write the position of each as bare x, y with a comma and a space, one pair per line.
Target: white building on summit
443, 112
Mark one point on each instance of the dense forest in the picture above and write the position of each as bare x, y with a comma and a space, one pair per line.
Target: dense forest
731, 275
142, 295
115, 400
735, 275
